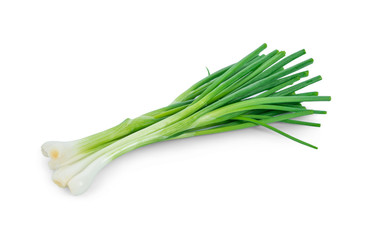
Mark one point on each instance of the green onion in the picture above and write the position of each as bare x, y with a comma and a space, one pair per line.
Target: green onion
256, 91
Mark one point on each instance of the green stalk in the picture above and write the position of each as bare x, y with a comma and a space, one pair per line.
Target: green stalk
257, 103
278, 131
273, 57
247, 68
229, 73
298, 86
202, 82
273, 69
240, 125
307, 94
260, 117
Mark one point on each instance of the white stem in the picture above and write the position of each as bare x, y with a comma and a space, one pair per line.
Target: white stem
58, 163
62, 175
82, 181
60, 150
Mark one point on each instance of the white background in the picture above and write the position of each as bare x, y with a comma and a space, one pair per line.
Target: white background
71, 68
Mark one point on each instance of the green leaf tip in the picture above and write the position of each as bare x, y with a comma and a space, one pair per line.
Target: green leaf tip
262, 47
319, 112
208, 71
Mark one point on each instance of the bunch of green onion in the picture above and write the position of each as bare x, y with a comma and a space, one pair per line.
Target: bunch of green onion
257, 90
